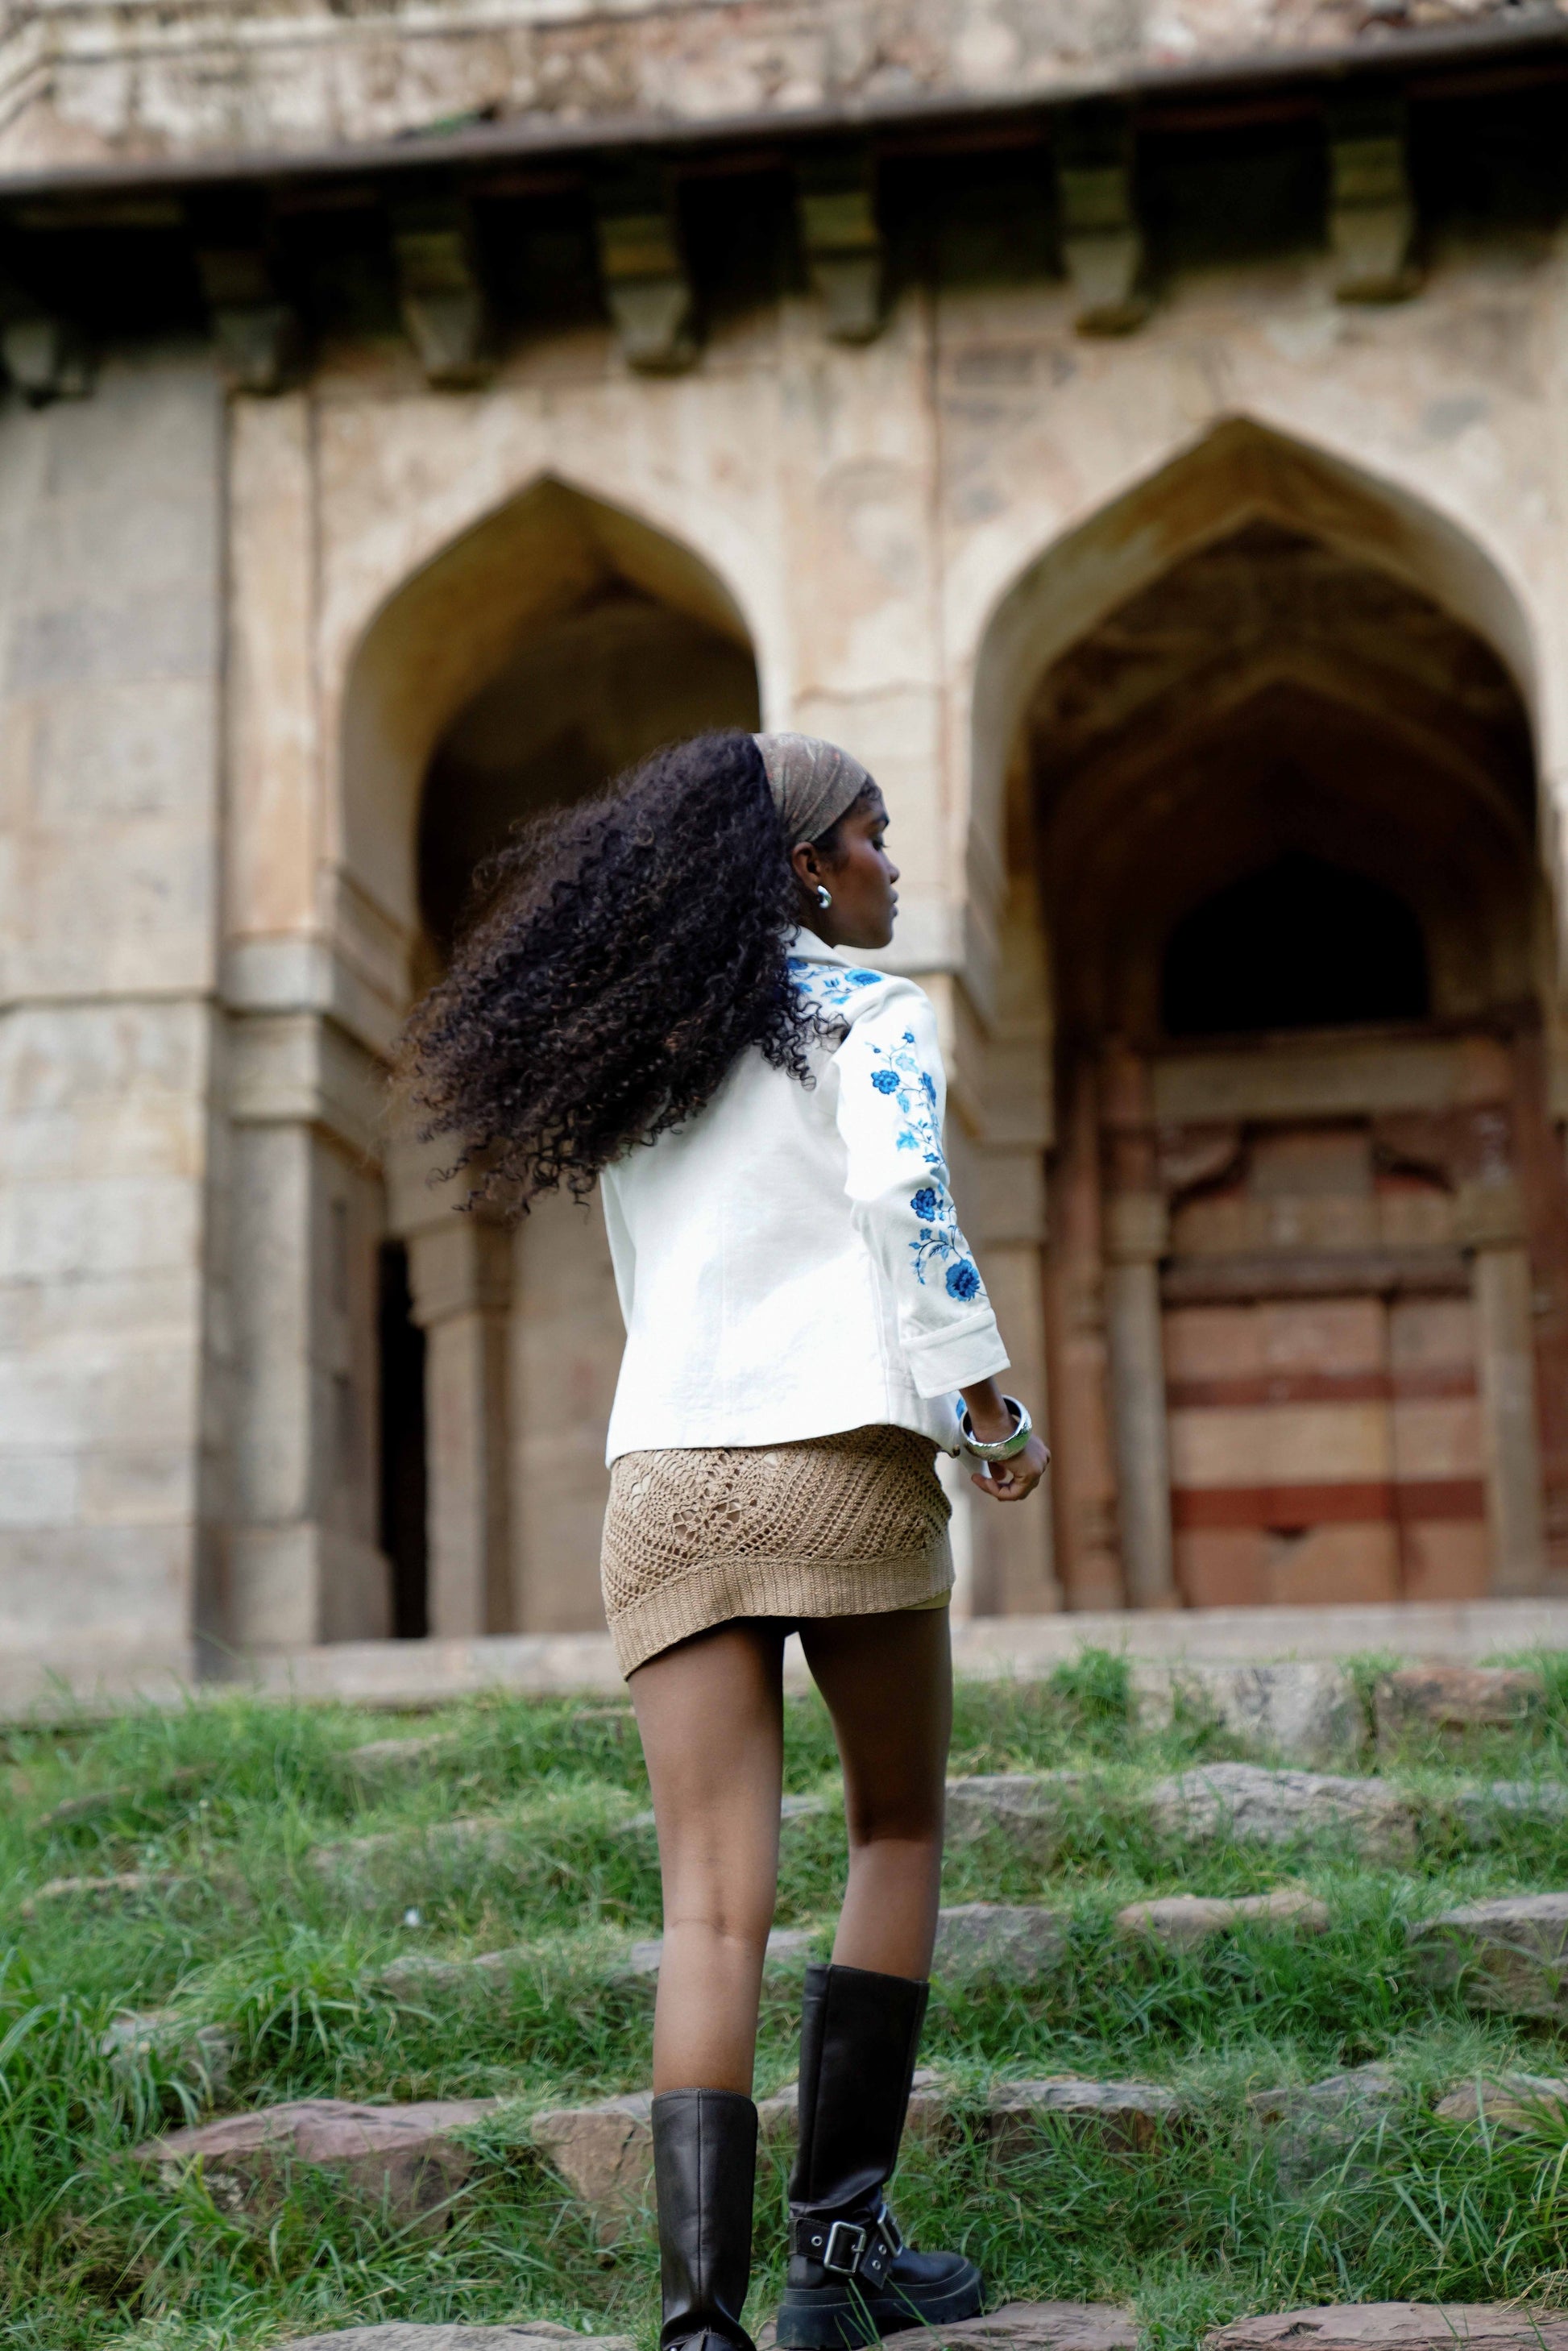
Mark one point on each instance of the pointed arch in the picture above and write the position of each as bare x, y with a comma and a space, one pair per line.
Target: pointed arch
447, 629
1241, 471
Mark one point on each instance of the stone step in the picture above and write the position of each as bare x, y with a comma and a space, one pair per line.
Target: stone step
1398, 2326
1029, 2326
1128, 2117
1307, 1714
408, 2158
1451, 1700
1314, 2124
119, 1887
1510, 1954
1007, 1942
1244, 1802
199, 2056
1185, 1922
1024, 1812
99, 1803
1510, 2102
383, 1763
525, 2335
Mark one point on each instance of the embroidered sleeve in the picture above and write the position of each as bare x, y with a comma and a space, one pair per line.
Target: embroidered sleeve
891, 1096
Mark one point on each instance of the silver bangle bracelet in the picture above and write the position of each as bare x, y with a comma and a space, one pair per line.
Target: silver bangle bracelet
1005, 1447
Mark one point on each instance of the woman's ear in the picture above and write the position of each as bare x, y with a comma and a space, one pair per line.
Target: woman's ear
807, 865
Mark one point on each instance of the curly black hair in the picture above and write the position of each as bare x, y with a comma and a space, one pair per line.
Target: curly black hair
630, 948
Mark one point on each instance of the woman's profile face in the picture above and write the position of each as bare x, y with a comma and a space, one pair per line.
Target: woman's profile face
860, 878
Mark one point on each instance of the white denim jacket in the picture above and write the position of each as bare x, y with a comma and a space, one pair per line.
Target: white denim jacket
789, 1261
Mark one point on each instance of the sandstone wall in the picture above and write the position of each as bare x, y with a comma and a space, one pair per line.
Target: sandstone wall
88, 84
110, 651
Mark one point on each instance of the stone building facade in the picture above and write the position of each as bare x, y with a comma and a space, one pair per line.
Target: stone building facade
1140, 432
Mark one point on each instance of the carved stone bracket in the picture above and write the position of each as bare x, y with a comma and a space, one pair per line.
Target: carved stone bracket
440, 294
1101, 241
646, 284
835, 205
259, 335
1371, 213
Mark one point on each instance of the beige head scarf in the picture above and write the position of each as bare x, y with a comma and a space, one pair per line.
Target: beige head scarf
812, 782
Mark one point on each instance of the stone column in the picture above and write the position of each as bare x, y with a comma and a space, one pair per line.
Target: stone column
1136, 1237
1136, 1241
1491, 1222
460, 1273
1084, 1476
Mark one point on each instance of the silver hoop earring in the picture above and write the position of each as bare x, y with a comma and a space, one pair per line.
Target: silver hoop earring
824, 895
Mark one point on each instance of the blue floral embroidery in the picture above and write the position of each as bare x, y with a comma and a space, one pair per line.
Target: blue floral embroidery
885, 1081
913, 1090
941, 1243
830, 983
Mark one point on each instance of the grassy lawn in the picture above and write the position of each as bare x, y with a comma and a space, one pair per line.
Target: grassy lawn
228, 1806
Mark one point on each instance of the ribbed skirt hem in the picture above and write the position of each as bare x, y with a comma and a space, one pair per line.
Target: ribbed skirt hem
714, 1593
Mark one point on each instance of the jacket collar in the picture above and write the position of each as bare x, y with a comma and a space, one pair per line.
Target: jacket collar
809, 948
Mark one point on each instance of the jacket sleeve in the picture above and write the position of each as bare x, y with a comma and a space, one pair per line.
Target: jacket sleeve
892, 1095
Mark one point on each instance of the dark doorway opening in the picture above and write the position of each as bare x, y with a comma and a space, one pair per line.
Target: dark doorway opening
403, 1473
1298, 944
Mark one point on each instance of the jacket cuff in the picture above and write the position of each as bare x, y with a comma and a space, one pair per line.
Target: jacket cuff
941, 1361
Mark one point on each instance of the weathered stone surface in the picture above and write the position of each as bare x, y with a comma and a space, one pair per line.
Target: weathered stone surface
383, 1762
1032, 2327
1010, 1943
1510, 2102
422, 1972
1305, 1714
1316, 2122
1510, 1953
1128, 2115
1452, 1699
1395, 2327
1026, 1810
1184, 1921
605, 2153
407, 2157
787, 1947
1485, 1808
199, 2056
522, 2337
96, 1803
117, 99
118, 1885
1251, 1804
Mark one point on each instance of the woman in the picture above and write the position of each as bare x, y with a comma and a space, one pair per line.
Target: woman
665, 998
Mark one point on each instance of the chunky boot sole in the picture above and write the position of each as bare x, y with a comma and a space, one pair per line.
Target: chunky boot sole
839, 2318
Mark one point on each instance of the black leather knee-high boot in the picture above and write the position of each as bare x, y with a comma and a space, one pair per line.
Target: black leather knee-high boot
704, 2173
851, 2278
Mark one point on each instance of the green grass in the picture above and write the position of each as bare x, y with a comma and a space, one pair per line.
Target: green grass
236, 1799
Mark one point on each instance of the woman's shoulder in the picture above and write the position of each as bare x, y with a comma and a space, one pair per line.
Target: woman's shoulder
850, 992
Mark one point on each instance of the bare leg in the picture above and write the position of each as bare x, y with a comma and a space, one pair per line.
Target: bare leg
711, 1716
888, 1683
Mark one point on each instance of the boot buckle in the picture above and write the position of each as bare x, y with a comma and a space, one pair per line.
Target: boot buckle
846, 2248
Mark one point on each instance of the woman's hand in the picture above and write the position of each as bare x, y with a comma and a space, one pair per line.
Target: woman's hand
1009, 1480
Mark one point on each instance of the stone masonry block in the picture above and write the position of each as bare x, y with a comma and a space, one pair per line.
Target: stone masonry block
1305, 1713
1510, 1954
407, 2158
1449, 1700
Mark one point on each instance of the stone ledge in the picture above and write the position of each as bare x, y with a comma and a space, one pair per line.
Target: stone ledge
412, 1676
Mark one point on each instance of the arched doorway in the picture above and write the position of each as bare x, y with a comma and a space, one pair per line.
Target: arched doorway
549, 649
1307, 1266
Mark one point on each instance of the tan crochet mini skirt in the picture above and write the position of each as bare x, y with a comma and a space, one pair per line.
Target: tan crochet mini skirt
852, 1525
